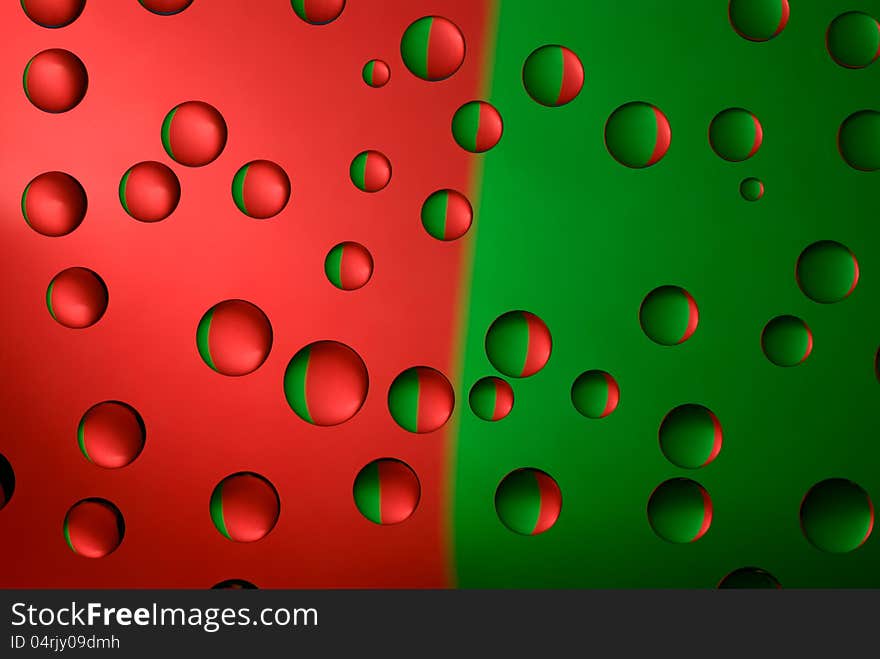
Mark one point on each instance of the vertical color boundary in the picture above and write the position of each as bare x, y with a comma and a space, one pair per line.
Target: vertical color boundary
490, 33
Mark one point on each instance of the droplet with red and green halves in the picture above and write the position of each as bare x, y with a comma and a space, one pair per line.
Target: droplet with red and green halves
680, 510
111, 434
751, 189
370, 171
234, 337
165, 7
432, 48
528, 501
669, 315
376, 73
787, 341
55, 80
690, 436
421, 399
553, 75
7, 481
326, 383
827, 272
53, 13
77, 298
853, 40
477, 126
758, 20
491, 398
735, 134
348, 266
518, 344
638, 134
245, 507
54, 204
149, 191
447, 215
837, 516
194, 133
387, 491
858, 140
94, 528
318, 12
261, 189
595, 394
234, 584
749, 577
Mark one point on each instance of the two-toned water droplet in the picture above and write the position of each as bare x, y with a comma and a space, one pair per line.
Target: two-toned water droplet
387, 491
55, 80
638, 135
787, 341
149, 191
348, 266
261, 189
853, 40
595, 394
54, 204
194, 133
680, 511
477, 126
244, 507
528, 501
94, 528
491, 398
234, 337
432, 48
111, 434
690, 436
758, 20
326, 383
318, 12
77, 298
669, 315
837, 515
421, 399
518, 344
735, 134
553, 75
827, 272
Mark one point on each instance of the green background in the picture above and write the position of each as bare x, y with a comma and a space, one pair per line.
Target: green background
564, 231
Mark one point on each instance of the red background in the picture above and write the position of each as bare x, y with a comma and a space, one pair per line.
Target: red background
291, 93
